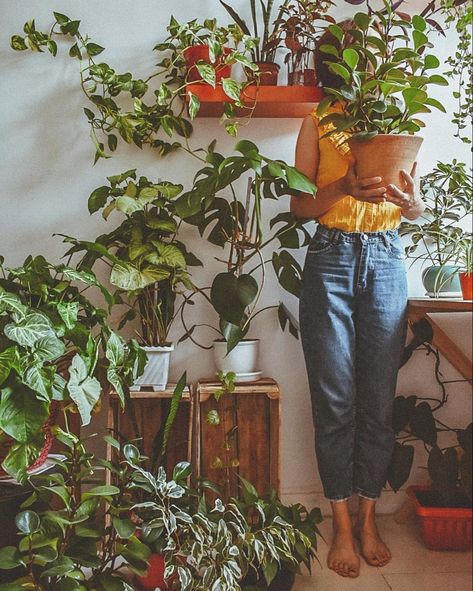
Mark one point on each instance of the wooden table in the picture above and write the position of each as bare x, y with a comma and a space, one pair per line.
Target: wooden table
426, 309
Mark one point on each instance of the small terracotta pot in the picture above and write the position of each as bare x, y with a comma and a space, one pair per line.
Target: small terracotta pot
269, 72
466, 281
154, 577
197, 53
385, 156
309, 77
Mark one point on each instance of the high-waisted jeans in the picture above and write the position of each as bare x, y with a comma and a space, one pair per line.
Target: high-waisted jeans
353, 327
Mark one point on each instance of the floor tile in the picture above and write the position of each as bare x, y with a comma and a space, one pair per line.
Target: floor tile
333, 582
426, 581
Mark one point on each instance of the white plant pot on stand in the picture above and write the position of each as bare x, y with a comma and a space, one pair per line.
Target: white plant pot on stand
243, 359
155, 375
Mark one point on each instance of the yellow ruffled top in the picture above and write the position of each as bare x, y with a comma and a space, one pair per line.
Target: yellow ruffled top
348, 214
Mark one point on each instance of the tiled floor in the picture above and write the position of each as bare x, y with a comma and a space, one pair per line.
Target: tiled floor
412, 568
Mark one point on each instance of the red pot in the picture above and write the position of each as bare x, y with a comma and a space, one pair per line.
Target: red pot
154, 577
443, 528
309, 77
466, 281
197, 53
269, 72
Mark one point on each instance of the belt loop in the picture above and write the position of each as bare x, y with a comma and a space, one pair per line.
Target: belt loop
336, 236
386, 239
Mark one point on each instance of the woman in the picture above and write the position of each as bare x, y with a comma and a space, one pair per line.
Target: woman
352, 318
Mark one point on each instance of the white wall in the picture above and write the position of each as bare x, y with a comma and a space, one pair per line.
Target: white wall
47, 175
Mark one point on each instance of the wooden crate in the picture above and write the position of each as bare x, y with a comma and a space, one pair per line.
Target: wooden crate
150, 410
252, 414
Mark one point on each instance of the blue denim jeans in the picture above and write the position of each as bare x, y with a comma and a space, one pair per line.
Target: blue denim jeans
353, 326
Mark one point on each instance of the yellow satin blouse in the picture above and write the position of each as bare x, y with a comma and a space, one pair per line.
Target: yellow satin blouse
348, 214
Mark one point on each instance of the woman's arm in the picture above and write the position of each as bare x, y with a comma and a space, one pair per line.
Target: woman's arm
308, 206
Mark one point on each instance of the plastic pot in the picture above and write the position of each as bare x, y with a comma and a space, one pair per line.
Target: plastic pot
243, 359
156, 372
441, 281
443, 528
197, 53
385, 155
466, 282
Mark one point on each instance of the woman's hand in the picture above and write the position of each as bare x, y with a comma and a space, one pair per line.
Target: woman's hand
409, 198
360, 188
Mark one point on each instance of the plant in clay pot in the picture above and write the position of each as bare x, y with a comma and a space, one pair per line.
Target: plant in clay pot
236, 225
57, 352
298, 29
148, 264
264, 52
439, 233
462, 254
386, 72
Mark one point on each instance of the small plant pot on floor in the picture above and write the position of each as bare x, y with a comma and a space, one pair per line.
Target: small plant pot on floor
155, 375
443, 528
242, 359
466, 282
385, 155
441, 281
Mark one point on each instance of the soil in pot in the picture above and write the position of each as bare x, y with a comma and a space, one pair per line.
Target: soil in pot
432, 498
197, 53
385, 156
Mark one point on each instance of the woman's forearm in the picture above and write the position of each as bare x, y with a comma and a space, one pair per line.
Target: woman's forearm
306, 206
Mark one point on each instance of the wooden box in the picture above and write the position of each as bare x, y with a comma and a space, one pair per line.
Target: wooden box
246, 440
150, 410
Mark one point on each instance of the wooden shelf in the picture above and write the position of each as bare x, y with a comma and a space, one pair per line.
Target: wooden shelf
271, 101
427, 308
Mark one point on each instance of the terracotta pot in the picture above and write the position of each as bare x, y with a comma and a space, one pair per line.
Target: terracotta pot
197, 53
443, 528
309, 77
385, 156
154, 577
466, 281
269, 72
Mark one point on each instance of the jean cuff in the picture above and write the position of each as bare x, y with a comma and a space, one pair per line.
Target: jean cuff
338, 498
366, 495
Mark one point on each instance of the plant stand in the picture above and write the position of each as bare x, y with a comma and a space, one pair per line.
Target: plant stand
143, 419
246, 440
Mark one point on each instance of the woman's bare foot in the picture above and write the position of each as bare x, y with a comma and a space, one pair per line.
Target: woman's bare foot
342, 557
373, 549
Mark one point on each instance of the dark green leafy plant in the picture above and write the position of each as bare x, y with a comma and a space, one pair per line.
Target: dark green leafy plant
447, 193
156, 123
237, 225
148, 264
55, 345
385, 72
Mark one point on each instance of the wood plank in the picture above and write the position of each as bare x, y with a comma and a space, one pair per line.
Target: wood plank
450, 350
267, 386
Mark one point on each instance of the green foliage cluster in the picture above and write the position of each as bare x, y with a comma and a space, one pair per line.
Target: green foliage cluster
385, 74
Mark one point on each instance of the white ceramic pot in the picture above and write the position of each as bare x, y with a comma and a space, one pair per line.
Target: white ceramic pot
156, 372
243, 359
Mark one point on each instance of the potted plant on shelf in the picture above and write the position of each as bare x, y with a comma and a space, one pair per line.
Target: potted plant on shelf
148, 264
300, 25
463, 258
264, 52
237, 226
385, 73
439, 233
57, 352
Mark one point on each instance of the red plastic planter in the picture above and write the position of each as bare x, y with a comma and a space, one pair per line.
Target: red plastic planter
154, 577
197, 53
466, 281
443, 528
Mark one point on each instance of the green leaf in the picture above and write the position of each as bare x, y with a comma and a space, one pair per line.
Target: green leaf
167, 254
419, 23
11, 302
401, 465
298, 181
128, 205
362, 20
83, 389
125, 528
20, 456
207, 73
9, 558
194, 105
29, 329
130, 278
18, 43
104, 490
40, 379
225, 299
423, 423
74, 51
28, 522
22, 415
8, 359
231, 88
94, 49
351, 58
68, 311
61, 19
340, 71
98, 197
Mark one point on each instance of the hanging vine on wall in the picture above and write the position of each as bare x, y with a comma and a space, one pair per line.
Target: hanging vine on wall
161, 124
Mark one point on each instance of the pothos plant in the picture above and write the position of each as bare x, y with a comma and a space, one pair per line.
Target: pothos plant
148, 264
162, 123
386, 74
237, 225
55, 347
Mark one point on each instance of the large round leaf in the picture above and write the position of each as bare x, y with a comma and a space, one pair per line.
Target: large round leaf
247, 289
130, 278
225, 299
28, 522
29, 329
423, 423
22, 415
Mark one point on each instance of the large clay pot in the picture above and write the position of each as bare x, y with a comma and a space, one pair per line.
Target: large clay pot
385, 156
466, 281
197, 53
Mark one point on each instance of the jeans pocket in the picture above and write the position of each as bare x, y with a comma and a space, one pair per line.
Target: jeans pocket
395, 249
319, 245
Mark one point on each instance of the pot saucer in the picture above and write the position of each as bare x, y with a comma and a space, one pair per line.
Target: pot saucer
252, 376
